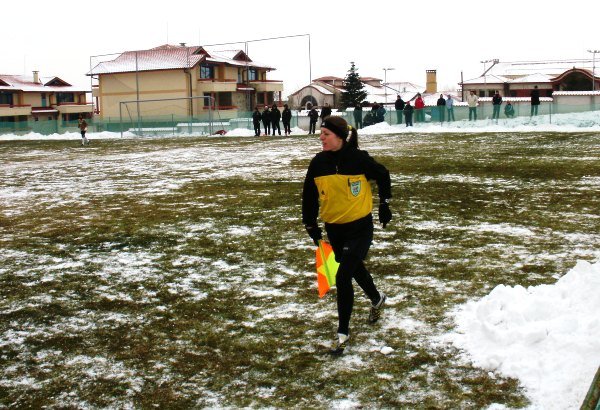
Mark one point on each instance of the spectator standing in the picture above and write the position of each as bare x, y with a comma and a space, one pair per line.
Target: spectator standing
473, 102
275, 118
408, 114
266, 120
313, 115
286, 117
358, 120
420, 108
535, 101
509, 110
496, 103
450, 108
256, 117
325, 112
399, 106
380, 114
441, 107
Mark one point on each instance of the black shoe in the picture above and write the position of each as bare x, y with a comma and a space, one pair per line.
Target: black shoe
340, 344
376, 310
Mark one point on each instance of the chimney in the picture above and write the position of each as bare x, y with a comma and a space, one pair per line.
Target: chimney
36, 77
431, 87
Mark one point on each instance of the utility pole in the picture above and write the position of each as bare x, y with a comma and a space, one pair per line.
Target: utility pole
594, 52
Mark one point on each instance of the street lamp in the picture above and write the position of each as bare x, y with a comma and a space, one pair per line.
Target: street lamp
594, 52
484, 62
385, 70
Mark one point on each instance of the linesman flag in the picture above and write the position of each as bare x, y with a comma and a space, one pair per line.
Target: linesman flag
326, 267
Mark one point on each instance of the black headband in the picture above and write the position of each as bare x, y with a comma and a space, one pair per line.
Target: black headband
340, 131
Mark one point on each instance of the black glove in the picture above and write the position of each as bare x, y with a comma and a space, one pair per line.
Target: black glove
385, 215
315, 233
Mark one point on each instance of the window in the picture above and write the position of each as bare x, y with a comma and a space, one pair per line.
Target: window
207, 71
65, 98
224, 99
6, 98
252, 74
240, 76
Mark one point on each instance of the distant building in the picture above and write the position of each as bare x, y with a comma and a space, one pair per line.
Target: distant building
230, 81
517, 79
25, 99
329, 89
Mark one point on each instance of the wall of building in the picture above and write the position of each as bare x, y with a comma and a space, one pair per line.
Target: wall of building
114, 88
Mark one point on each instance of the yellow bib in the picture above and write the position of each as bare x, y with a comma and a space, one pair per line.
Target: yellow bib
344, 198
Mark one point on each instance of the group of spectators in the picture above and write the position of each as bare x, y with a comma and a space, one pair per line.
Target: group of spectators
270, 120
509, 110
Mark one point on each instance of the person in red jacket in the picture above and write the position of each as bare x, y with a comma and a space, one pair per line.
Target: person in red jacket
419, 108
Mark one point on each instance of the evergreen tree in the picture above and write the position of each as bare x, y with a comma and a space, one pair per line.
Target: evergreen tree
355, 89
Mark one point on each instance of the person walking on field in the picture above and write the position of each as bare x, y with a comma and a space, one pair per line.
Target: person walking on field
336, 188
256, 117
450, 108
286, 118
408, 114
472, 102
275, 118
313, 116
496, 104
82, 124
399, 106
266, 120
535, 101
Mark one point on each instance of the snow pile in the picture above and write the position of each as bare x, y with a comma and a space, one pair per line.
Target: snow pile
547, 336
572, 122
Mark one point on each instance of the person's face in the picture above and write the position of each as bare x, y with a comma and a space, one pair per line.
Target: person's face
330, 141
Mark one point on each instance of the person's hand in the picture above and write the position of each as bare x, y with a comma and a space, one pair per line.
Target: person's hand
385, 215
315, 233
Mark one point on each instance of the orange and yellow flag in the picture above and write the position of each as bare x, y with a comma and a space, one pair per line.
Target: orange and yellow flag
326, 267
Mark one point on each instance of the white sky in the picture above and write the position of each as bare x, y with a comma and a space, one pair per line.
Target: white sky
411, 37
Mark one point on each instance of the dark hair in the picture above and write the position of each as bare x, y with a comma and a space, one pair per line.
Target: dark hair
340, 127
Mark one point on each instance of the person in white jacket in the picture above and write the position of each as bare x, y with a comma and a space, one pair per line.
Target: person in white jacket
473, 101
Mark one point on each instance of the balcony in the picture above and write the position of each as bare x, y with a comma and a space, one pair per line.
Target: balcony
210, 85
9, 110
267, 86
74, 108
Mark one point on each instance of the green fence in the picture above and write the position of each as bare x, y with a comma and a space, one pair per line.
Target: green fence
214, 122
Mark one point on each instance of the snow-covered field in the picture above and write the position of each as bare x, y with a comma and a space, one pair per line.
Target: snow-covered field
81, 272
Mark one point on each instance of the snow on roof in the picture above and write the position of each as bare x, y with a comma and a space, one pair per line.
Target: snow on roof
533, 78
551, 68
169, 57
488, 78
45, 84
321, 89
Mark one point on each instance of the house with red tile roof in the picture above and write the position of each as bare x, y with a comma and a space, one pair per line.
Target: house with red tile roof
28, 99
183, 81
518, 78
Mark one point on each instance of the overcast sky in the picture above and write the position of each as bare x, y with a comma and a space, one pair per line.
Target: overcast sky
411, 37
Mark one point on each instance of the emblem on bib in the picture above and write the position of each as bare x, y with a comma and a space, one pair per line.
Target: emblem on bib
355, 188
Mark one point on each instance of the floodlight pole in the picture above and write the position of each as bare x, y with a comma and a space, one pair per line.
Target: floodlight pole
594, 52
385, 70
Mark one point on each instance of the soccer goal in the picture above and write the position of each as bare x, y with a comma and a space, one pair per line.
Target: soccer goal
169, 116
